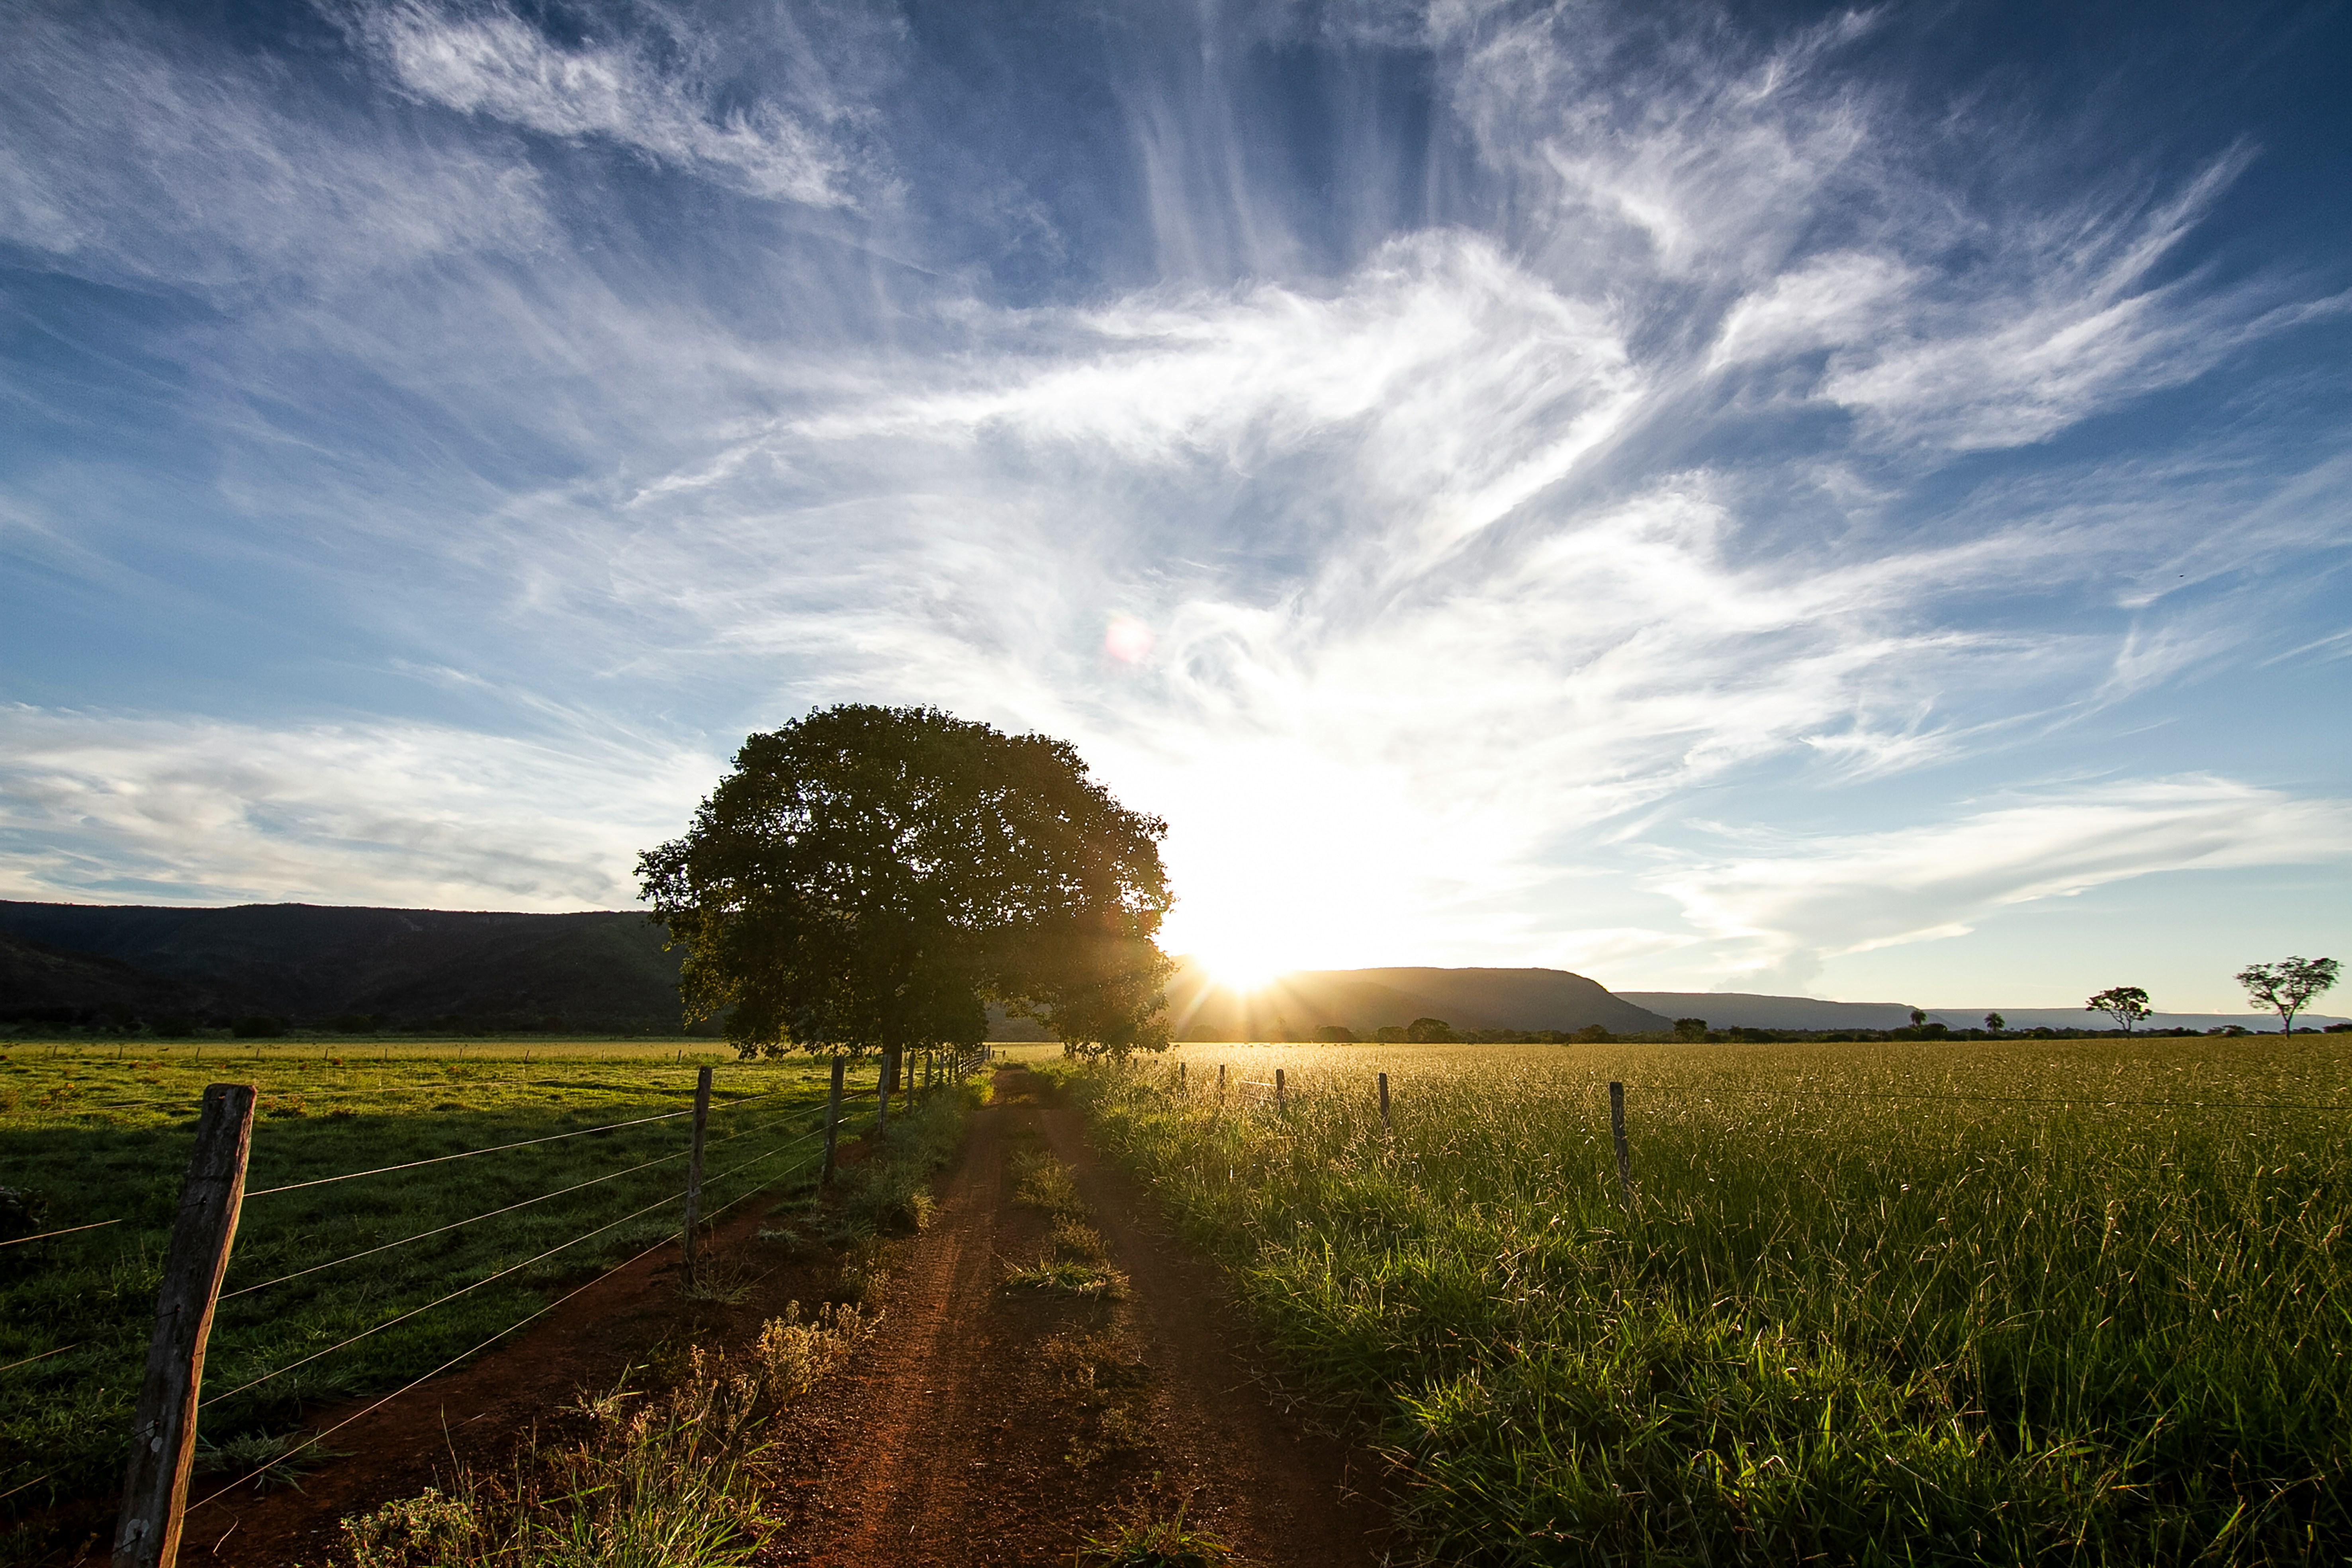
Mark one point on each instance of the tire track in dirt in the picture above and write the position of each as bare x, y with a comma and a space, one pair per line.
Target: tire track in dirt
955, 1441
1222, 1416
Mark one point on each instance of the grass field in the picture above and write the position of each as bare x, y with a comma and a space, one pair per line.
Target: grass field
88, 1135
2082, 1302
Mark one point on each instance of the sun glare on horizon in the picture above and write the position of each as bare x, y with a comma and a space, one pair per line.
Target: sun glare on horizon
1242, 969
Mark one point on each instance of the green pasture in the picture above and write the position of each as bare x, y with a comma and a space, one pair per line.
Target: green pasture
2025, 1302
89, 1135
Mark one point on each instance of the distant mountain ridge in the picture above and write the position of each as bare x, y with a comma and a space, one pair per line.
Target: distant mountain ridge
605, 971
1746, 1010
1298, 1005
600, 972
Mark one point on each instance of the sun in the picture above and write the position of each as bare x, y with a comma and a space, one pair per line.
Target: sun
1241, 968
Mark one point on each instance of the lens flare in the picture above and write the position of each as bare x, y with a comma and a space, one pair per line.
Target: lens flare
1129, 640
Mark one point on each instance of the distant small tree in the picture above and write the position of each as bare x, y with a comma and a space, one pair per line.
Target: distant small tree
1690, 1028
2284, 987
2126, 1005
1918, 1016
1995, 1022
1430, 1032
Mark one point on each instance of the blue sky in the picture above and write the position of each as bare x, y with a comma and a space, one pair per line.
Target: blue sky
1779, 498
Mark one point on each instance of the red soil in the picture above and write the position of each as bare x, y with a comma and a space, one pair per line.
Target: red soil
950, 1445
955, 1436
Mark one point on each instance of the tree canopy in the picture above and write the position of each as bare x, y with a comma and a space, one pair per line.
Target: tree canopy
2284, 987
871, 879
2126, 1005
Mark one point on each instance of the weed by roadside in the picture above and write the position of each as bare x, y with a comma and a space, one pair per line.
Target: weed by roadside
667, 1480
889, 1192
1108, 1381
1075, 1261
263, 1458
1144, 1534
864, 1273
724, 1278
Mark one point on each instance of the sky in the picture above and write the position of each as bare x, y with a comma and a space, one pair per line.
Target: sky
1786, 499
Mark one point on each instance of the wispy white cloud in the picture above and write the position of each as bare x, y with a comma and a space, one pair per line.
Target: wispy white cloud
105, 808
1791, 905
1446, 580
136, 152
485, 59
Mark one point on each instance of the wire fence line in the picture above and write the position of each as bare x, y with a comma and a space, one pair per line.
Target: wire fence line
70, 1230
1296, 1092
509, 1208
43, 1357
75, 1103
318, 1437
461, 1290
662, 1201
810, 1118
454, 1225
466, 1154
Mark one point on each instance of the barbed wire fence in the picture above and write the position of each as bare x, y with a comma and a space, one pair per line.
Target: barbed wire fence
205, 1234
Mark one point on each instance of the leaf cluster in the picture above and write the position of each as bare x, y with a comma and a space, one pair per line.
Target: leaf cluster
871, 879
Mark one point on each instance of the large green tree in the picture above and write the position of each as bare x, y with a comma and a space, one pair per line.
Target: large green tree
869, 879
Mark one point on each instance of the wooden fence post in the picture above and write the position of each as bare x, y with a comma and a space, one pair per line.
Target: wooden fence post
1385, 1105
163, 1429
693, 1166
1279, 1102
1617, 1136
833, 1116
1220, 1080
1180, 1078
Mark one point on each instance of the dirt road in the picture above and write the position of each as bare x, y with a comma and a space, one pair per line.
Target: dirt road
982, 1425
980, 1430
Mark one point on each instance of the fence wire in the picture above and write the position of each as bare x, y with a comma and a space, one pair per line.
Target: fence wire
467, 1290
318, 1437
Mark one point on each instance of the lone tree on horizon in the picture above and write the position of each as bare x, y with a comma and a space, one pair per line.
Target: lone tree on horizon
2286, 987
871, 879
2126, 1005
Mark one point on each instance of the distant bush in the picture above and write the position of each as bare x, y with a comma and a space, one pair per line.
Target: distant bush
177, 1027
1430, 1032
1333, 1035
257, 1028
354, 1024
1690, 1028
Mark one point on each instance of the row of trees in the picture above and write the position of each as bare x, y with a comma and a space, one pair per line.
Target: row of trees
2285, 987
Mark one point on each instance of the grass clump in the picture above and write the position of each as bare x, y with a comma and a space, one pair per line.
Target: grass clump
889, 1193
1108, 1383
2029, 1302
671, 1480
1144, 1535
1042, 1182
1075, 1261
